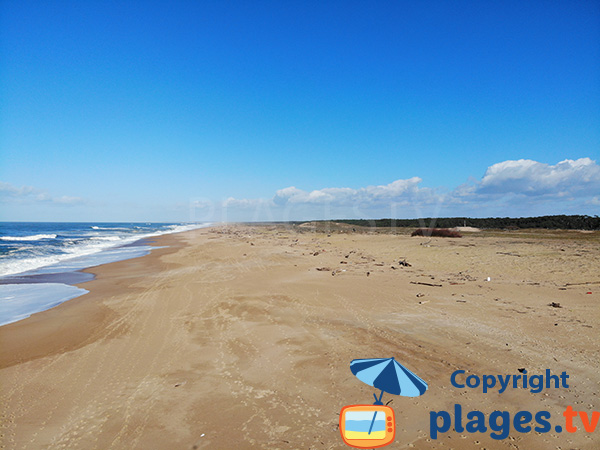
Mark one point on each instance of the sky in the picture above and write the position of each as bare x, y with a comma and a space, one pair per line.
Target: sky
296, 110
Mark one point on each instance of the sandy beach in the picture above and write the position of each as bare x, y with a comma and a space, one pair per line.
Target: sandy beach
240, 337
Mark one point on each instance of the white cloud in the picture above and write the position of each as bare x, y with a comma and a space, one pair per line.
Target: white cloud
292, 203
201, 204
243, 202
8, 190
29, 194
68, 200
397, 191
532, 178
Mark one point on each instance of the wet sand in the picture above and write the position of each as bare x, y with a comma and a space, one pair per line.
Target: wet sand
241, 337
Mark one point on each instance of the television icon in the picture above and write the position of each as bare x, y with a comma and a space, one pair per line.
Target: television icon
367, 426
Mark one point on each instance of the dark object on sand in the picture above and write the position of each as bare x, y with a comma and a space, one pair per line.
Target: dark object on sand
426, 284
368, 273
522, 370
404, 263
439, 232
509, 254
555, 305
581, 284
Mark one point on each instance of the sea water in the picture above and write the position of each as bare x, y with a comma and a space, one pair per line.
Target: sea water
19, 301
33, 253
365, 425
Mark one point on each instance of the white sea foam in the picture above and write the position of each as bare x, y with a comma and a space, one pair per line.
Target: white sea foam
106, 256
88, 254
19, 301
35, 237
181, 228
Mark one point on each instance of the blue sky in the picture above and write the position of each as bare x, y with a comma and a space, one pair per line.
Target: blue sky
214, 110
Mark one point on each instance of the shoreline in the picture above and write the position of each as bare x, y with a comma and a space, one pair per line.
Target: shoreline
77, 276
41, 334
252, 328
47, 286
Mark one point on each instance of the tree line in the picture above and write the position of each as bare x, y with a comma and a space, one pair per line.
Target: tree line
563, 222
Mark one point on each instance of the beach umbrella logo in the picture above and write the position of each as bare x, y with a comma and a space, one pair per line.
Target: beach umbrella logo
372, 426
389, 376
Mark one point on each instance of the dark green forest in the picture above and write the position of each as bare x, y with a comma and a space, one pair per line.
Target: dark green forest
548, 222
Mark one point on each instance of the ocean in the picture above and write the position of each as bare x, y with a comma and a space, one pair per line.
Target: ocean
39, 262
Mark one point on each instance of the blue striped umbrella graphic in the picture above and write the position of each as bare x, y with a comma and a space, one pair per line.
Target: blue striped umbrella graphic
389, 376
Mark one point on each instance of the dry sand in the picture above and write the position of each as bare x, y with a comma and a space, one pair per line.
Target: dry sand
231, 338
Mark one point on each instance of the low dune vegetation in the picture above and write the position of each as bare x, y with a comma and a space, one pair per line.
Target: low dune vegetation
438, 232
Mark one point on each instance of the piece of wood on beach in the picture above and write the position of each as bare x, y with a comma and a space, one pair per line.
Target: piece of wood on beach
582, 284
425, 284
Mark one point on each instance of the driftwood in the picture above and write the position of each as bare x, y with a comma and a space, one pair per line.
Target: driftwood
582, 284
425, 284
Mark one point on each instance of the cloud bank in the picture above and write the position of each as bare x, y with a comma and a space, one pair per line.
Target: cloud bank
397, 191
31, 195
511, 188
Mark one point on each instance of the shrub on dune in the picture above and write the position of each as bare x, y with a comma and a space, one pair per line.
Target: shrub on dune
439, 232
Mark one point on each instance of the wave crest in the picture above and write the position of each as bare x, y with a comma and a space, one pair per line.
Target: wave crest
35, 237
